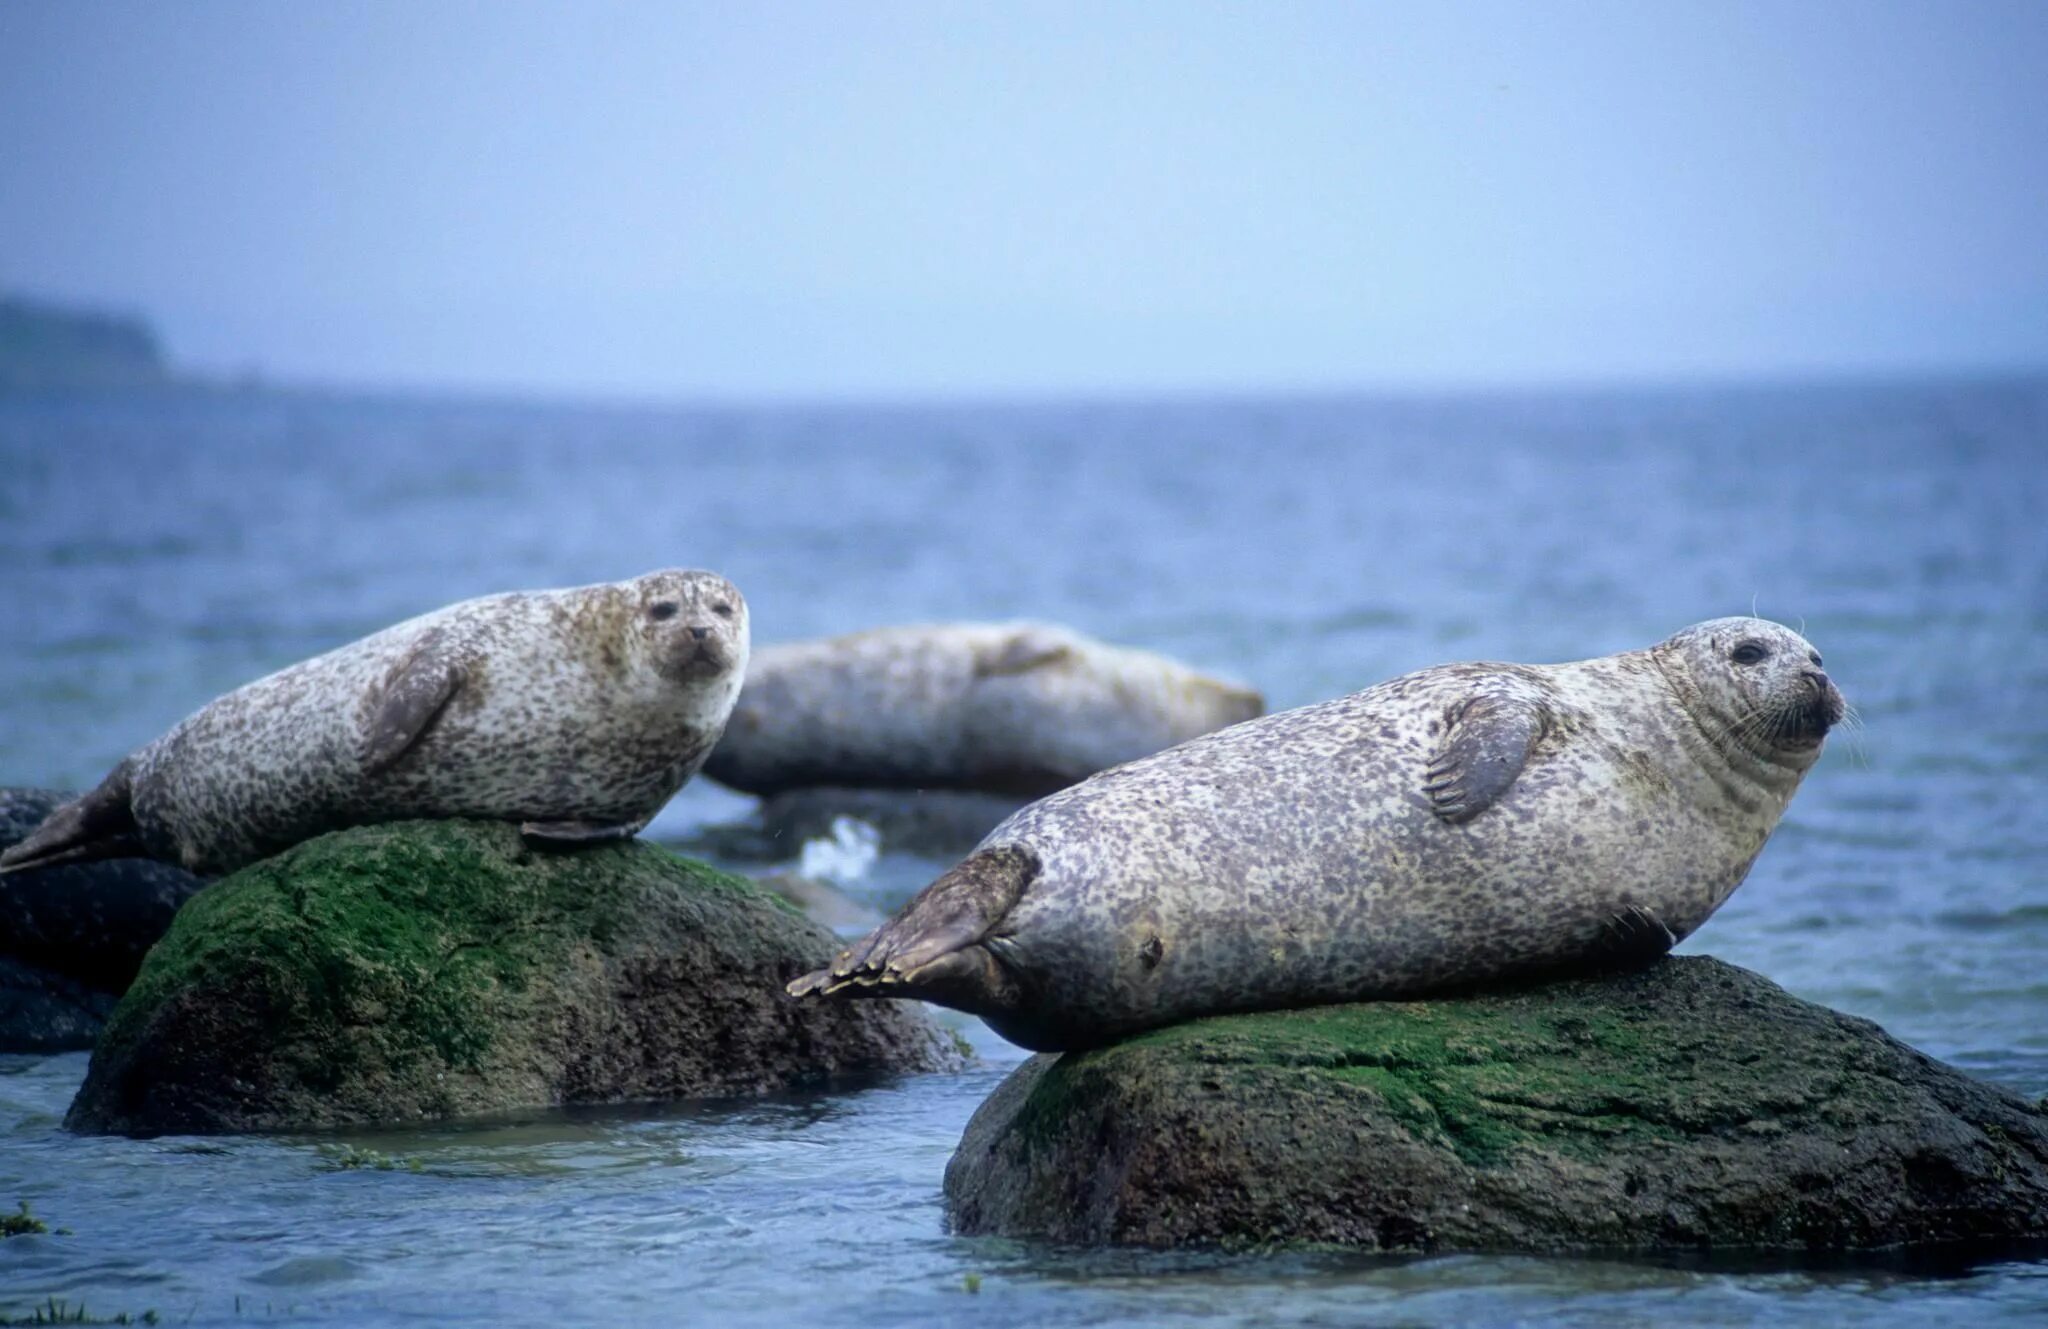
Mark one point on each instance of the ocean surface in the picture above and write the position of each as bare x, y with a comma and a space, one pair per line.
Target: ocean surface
156, 551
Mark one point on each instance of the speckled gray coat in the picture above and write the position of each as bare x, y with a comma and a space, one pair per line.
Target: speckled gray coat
578, 712
1460, 824
1012, 708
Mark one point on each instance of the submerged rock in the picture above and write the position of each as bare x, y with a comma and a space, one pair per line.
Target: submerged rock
436, 969
1692, 1106
72, 937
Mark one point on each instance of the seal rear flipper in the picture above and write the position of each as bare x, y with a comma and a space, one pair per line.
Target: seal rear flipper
574, 832
950, 916
1485, 744
411, 698
970, 979
93, 826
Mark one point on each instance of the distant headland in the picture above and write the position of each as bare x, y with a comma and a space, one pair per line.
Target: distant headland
48, 345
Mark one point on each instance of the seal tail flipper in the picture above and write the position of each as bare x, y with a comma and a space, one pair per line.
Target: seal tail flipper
97, 825
933, 945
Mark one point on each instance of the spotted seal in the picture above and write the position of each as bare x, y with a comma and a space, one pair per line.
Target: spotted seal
1458, 825
1011, 708
577, 713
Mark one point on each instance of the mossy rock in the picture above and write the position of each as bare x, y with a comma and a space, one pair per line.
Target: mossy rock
1693, 1106
439, 969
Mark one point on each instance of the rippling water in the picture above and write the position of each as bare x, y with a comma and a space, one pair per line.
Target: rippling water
157, 551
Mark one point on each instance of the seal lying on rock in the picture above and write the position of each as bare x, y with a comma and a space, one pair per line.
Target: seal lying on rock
1462, 824
577, 713
1019, 708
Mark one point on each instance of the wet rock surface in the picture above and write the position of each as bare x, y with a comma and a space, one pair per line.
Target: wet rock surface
1692, 1107
440, 969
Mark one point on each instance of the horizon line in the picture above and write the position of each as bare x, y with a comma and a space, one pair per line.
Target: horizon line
181, 380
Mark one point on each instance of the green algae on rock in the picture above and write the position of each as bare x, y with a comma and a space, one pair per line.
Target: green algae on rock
21, 1223
437, 969
1693, 1106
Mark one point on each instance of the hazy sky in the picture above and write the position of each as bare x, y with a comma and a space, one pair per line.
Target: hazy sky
900, 199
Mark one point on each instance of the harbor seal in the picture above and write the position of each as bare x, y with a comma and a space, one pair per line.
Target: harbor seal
576, 713
1451, 827
1011, 708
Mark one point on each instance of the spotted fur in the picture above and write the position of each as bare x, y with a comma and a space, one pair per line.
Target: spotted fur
1015, 708
1466, 823
583, 709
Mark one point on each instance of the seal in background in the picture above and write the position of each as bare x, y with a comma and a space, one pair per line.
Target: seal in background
1018, 708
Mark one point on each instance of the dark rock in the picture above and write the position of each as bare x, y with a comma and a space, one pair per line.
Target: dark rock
94, 921
43, 1011
1694, 1106
935, 823
435, 969
73, 936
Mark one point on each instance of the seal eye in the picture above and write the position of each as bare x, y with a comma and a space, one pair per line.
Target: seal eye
1815, 657
661, 609
722, 609
1750, 652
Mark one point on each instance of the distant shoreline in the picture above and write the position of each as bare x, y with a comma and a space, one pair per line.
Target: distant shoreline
175, 386
48, 345
50, 349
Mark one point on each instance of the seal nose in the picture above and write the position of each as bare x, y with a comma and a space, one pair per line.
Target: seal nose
1826, 707
700, 633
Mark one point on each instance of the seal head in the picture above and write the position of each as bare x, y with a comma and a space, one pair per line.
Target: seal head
1755, 690
691, 625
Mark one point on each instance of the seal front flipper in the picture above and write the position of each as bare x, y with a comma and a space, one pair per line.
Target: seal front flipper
1033, 647
1485, 743
572, 833
933, 948
413, 695
93, 826
1633, 938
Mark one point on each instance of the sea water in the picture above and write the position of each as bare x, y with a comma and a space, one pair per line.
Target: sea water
158, 550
